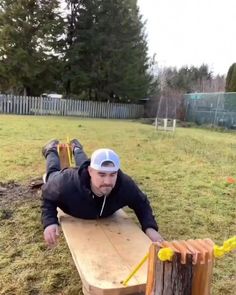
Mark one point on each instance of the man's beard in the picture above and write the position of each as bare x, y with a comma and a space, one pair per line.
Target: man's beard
105, 189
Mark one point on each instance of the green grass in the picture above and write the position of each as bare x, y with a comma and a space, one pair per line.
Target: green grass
184, 175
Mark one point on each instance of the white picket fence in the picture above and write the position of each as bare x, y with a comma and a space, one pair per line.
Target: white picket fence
25, 105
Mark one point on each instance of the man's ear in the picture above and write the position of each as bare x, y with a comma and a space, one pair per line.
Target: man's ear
89, 170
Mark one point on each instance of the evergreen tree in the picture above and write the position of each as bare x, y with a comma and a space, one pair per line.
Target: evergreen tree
188, 79
29, 45
107, 56
231, 79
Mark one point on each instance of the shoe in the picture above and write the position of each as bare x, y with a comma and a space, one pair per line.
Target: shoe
49, 146
75, 144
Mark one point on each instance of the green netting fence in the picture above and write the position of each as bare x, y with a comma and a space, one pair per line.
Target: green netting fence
217, 108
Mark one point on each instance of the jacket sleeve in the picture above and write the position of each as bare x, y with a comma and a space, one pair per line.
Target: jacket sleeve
141, 206
51, 193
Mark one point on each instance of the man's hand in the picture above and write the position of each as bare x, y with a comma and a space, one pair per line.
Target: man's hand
154, 235
51, 234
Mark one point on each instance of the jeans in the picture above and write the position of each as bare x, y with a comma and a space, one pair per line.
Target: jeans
53, 162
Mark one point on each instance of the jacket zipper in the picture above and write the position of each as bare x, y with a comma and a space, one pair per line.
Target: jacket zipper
103, 205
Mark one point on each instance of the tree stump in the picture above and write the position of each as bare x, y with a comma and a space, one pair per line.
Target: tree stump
189, 272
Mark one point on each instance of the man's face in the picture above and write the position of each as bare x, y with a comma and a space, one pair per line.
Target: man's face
102, 182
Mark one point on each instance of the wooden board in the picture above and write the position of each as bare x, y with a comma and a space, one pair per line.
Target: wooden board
105, 252
63, 155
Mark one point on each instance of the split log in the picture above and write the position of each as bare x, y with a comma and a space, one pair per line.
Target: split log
189, 272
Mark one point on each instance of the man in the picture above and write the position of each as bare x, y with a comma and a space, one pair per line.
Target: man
96, 188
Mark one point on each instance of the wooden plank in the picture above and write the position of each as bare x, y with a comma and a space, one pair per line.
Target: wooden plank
63, 155
8, 104
151, 278
105, 251
208, 244
27, 105
202, 269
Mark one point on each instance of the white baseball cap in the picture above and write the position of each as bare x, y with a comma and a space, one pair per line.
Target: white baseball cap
103, 155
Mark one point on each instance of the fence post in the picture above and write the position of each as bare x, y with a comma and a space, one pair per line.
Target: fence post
41, 105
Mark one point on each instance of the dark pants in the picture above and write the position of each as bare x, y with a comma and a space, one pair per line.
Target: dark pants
53, 162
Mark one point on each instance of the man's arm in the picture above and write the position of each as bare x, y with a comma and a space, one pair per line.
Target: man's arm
49, 212
51, 194
154, 235
141, 206
50, 222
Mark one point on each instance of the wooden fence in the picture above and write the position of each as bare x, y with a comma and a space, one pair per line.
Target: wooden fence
23, 105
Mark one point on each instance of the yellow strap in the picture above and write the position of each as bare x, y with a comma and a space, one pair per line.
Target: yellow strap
68, 150
68, 140
68, 153
228, 245
135, 270
164, 254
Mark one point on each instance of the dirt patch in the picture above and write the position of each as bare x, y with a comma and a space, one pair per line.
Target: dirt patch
27, 265
12, 192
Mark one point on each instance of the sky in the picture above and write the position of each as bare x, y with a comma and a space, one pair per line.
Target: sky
191, 32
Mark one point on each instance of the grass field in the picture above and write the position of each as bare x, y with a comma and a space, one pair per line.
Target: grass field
184, 175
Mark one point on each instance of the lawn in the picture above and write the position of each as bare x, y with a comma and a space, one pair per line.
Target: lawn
183, 173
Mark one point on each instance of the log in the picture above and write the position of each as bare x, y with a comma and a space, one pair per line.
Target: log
189, 272
174, 277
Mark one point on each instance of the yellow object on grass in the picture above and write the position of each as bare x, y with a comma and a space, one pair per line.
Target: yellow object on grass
218, 251
228, 245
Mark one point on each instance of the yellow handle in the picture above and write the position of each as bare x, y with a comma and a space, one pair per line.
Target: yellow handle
135, 270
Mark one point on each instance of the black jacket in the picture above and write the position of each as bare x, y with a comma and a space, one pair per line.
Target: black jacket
70, 191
